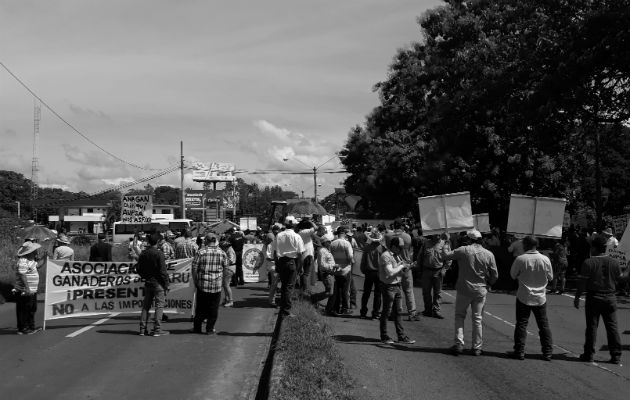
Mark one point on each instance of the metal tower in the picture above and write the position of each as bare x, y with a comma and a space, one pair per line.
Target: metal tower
35, 164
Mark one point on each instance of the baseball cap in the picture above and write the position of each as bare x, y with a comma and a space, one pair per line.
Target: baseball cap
474, 234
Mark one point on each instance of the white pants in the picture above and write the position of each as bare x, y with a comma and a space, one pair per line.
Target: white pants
476, 304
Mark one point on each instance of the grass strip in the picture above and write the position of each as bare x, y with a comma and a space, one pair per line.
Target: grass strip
307, 364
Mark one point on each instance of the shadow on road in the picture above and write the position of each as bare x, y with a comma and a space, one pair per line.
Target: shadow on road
252, 302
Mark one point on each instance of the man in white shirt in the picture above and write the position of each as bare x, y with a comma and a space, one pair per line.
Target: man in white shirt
289, 248
611, 240
533, 271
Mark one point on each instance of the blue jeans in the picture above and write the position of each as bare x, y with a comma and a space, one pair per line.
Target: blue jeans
407, 288
392, 304
305, 277
153, 292
329, 286
371, 281
432, 282
606, 306
476, 303
520, 330
227, 290
339, 301
287, 270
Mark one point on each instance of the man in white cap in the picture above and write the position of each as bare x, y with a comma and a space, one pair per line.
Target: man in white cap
63, 251
26, 283
289, 248
477, 270
611, 240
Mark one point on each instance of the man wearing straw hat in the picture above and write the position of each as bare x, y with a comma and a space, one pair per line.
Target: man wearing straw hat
26, 282
63, 251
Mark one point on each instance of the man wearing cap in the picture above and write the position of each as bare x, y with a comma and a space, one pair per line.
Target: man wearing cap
101, 250
533, 271
153, 270
326, 265
434, 267
289, 248
369, 267
611, 240
342, 252
25, 289
599, 277
165, 247
391, 268
407, 278
186, 248
207, 274
270, 261
63, 251
237, 241
477, 270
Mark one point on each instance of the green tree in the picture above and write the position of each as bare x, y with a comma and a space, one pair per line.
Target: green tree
492, 101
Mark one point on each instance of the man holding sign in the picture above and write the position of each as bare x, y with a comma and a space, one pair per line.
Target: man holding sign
477, 270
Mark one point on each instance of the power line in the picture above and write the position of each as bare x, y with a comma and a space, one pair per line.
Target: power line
70, 125
125, 185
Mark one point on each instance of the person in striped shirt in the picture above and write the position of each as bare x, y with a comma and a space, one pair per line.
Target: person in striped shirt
26, 282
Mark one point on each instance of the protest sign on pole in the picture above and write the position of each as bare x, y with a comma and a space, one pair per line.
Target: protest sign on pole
137, 209
445, 213
254, 269
482, 222
538, 216
621, 253
619, 223
83, 288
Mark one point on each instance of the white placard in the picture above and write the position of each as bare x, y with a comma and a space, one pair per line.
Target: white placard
448, 212
136, 209
539, 216
482, 222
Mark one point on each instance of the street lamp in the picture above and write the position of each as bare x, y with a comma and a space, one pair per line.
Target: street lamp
285, 159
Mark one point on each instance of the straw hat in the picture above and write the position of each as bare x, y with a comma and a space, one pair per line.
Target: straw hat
63, 238
28, 248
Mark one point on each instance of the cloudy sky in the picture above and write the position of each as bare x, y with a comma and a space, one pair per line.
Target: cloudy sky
243, 82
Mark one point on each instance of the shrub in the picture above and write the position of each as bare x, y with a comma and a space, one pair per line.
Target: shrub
307, 364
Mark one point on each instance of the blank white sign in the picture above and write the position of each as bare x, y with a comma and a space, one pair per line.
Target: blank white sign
450, 212
482, 222
539, 216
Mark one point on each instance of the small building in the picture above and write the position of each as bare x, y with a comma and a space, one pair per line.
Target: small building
82, 216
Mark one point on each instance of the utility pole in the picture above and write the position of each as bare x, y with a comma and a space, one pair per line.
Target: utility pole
181, 168
35, 164
315, 183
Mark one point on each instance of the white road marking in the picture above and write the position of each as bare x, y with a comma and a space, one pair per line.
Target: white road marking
566, 351
87, 328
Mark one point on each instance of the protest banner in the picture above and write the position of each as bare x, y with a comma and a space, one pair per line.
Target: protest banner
622, 252
445, 213
83, 288
254, 269
482, 222
619, 223
136, 209
538, 216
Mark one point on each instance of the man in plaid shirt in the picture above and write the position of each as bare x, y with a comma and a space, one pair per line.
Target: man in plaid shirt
186, 248
207, 274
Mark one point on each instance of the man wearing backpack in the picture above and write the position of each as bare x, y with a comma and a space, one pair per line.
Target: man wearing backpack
152, 268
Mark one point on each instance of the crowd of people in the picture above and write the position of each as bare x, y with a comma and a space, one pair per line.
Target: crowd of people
297, 254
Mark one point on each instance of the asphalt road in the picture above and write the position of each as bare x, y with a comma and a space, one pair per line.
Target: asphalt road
427, 370
104, 358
